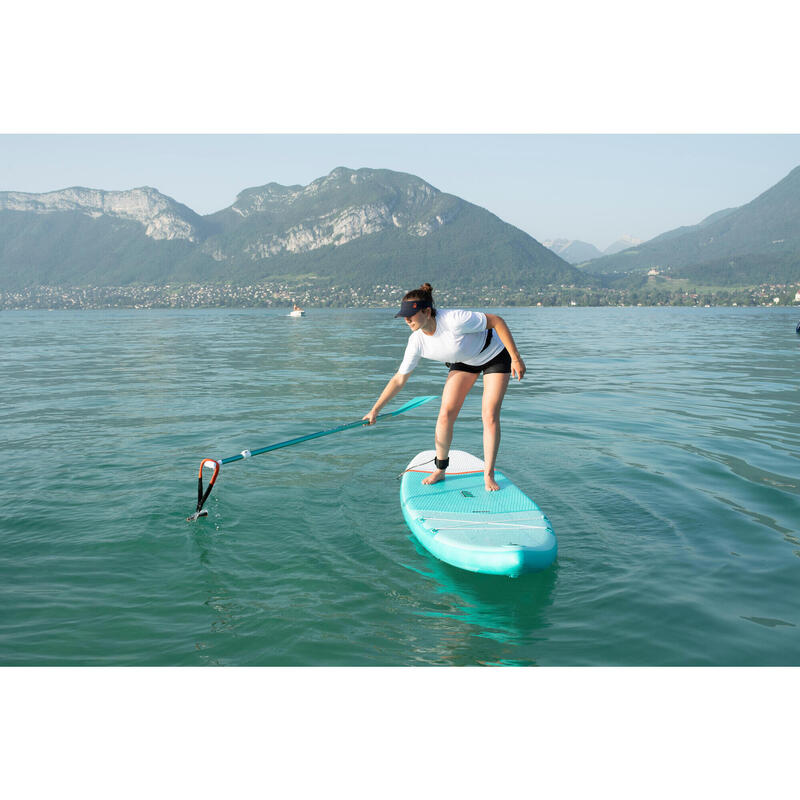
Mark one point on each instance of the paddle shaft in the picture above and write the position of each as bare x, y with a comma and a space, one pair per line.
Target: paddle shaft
417, 401
202, 494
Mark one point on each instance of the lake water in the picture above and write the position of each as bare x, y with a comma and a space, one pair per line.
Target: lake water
663, 443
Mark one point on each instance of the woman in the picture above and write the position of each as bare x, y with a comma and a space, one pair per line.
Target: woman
470, 343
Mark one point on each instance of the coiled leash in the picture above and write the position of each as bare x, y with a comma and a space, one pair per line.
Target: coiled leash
439, 463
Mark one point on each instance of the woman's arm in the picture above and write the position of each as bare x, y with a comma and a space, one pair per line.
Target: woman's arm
396, 383
499, 324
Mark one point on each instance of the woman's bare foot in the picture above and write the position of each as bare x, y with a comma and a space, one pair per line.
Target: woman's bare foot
489, 481
435, 476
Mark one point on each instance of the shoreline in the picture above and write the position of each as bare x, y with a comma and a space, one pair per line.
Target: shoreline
278, 296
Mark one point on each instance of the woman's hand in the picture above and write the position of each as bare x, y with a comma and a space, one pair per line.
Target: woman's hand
517, 368
396, 383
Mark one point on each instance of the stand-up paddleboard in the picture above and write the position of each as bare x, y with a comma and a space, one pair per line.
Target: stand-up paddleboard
458, 521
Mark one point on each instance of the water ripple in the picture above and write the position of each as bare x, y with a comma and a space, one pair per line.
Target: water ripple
662, 443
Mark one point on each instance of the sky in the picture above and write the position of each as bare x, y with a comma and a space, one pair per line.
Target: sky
591, 187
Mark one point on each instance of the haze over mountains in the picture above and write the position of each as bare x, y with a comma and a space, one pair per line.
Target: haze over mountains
574, 251
363, 228
755, 243
352, 226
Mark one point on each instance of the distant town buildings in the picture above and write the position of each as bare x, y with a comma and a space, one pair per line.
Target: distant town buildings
309, 295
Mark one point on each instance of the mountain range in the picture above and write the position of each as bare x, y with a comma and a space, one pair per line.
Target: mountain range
574, 251
356, 227
758, 242
362, 228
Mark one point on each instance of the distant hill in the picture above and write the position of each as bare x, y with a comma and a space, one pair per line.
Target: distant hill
90, 237
623, 243
573, 251
356, 227
753, 244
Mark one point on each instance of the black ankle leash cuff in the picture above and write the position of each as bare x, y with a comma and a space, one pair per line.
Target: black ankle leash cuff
441, 463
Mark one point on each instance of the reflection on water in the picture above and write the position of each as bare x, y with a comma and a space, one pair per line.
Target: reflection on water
508, 611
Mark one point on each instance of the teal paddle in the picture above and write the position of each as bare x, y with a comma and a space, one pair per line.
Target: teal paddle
216, 464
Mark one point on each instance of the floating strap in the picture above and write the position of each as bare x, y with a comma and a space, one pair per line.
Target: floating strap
202, 495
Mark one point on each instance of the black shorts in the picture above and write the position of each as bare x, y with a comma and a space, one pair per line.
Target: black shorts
500, 363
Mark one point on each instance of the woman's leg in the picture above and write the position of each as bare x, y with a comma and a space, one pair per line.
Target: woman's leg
455, 390
494, 389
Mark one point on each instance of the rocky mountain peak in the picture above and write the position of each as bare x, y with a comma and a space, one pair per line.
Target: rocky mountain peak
161, 216
336, 209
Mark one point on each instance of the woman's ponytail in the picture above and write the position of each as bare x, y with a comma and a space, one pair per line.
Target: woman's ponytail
425, 292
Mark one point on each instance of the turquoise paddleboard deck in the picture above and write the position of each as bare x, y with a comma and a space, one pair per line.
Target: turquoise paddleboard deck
459, 522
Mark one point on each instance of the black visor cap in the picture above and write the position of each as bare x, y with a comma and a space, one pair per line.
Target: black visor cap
410, 307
